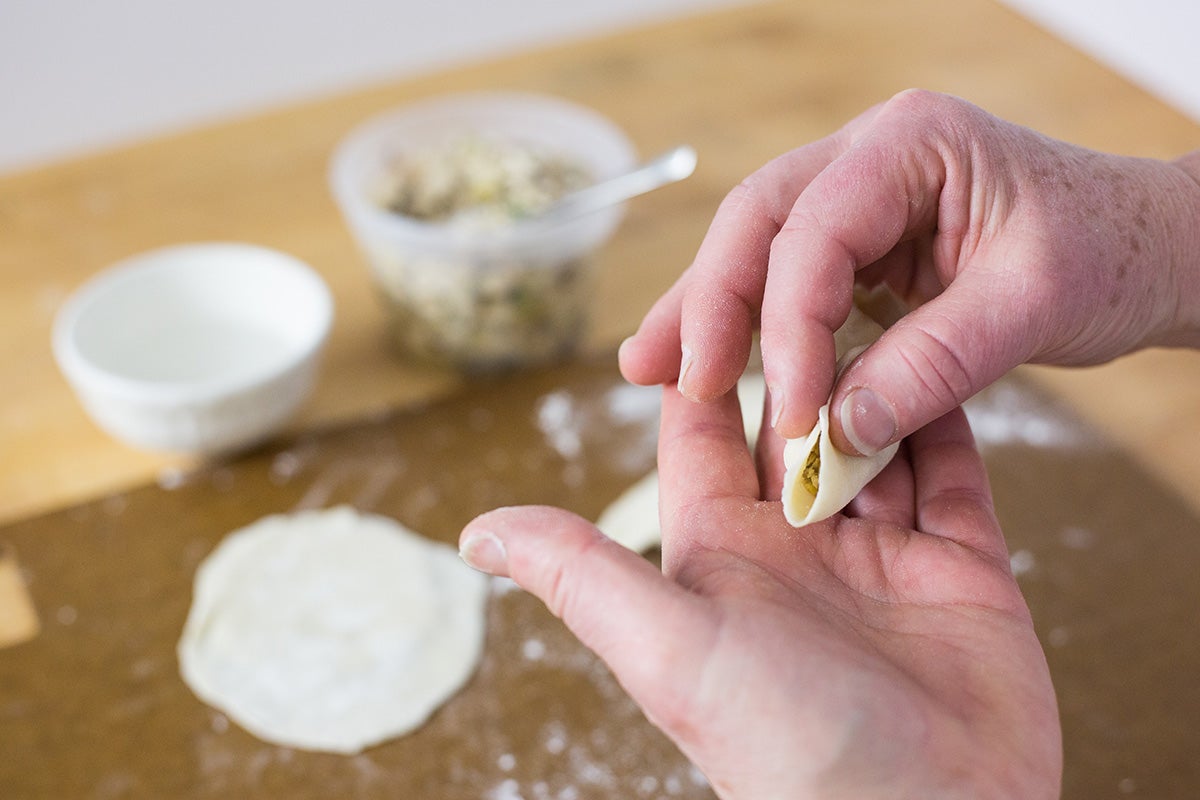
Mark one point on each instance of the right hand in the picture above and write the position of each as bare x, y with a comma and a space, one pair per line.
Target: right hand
1010, 246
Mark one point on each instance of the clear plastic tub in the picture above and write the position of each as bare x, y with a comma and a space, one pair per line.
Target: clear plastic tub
480, 297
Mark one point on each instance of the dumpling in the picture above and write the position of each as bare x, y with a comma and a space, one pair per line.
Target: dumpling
820, 480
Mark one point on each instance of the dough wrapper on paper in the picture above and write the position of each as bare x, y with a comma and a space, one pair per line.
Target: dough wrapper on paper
331, 630
820, 480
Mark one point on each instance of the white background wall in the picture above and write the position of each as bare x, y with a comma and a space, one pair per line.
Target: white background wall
76, 75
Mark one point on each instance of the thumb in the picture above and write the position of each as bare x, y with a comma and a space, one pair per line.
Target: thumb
644, 626
930, 362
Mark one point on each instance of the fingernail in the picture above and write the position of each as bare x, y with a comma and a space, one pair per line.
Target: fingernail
484, 551
685, 366
776, 406
868, 421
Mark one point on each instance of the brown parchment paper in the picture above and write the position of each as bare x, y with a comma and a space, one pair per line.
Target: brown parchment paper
93, 707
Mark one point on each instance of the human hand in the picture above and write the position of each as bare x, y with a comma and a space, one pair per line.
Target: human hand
1010, 246
884, 654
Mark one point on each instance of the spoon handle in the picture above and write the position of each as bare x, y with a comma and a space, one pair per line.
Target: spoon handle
669, 167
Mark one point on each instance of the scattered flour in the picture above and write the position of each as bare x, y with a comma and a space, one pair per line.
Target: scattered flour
1003, 416
558, 420
533, 650
1077, 538
1022, 563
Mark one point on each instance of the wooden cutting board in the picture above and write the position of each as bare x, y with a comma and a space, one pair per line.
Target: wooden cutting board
93, 706
742, 85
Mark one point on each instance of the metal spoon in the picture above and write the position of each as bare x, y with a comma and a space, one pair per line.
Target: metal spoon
673, 165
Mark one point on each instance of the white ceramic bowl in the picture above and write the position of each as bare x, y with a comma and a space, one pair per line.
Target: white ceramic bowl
202, 348
488, 298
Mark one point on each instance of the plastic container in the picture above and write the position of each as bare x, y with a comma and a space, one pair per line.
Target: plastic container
200, 348
481, 298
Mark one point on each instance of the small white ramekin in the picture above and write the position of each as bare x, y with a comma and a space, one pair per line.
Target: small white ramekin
200, 348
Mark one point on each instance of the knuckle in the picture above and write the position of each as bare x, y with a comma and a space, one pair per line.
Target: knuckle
689, 520
921, 103
748, 196
941, 371
937, 119
763, 194
565, 579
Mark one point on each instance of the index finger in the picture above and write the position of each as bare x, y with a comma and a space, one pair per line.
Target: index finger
882, 189
704, 462
703, 325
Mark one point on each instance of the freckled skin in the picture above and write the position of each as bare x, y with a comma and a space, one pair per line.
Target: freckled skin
1004, 241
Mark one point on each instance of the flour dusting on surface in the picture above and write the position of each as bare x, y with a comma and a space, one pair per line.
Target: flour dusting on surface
559, 422
533, 650
1003, 416
628, 404
597, 746
1077, 538
1022, 563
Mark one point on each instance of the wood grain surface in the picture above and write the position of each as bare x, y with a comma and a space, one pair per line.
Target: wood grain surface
94, 706
741, 85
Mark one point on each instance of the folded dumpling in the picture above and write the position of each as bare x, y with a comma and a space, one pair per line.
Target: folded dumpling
821, 480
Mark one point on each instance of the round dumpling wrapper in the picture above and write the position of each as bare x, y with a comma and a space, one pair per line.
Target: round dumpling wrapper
331, 630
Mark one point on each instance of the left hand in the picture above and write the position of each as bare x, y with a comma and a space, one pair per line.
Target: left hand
887, 653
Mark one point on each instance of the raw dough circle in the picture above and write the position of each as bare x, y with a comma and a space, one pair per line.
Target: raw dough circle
331, 630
